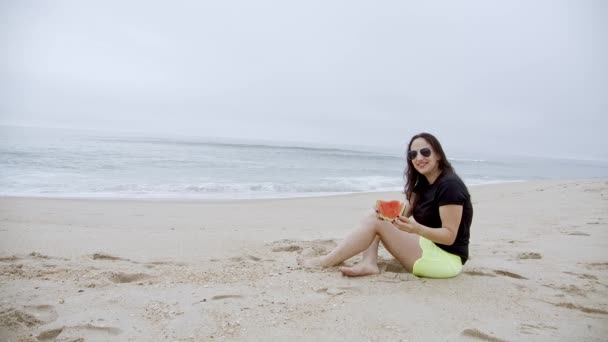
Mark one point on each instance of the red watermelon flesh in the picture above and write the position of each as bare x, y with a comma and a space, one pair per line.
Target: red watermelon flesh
389, 210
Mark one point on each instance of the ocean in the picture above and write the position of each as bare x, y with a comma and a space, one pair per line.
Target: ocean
66, 163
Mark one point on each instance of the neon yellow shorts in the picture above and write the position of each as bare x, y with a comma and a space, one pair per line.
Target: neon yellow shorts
435, 262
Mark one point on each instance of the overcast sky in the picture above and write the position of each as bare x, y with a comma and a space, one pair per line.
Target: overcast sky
508, 76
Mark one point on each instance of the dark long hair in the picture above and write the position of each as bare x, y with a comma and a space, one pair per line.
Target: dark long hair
411, 175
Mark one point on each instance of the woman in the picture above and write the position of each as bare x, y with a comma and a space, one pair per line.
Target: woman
435, 241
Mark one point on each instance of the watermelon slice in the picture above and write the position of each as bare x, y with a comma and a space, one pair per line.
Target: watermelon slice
389, 210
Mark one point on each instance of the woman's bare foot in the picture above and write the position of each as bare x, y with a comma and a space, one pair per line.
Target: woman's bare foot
314, 262
359, 270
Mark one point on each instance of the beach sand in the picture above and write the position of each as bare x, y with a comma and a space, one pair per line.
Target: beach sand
123, 270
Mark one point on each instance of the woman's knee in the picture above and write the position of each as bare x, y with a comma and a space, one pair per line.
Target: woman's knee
370, 219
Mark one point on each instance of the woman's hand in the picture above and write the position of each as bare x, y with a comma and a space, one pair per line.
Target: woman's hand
407, 224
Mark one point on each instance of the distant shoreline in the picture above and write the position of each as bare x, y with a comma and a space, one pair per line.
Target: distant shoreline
177, 199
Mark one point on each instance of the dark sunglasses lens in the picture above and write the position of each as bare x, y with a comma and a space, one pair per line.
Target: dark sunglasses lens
411, 155
426, 152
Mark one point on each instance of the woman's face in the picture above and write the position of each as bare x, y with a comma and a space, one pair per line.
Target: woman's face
425, 163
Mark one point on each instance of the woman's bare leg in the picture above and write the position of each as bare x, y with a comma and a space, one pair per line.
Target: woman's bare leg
403, 246
368, 264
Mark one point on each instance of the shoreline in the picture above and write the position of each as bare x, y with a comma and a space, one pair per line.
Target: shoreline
178, 199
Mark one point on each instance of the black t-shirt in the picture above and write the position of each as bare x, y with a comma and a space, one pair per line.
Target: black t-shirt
448, 188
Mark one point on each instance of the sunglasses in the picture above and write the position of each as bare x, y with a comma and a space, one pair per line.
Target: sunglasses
412, 154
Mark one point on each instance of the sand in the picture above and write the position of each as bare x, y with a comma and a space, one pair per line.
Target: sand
122, 270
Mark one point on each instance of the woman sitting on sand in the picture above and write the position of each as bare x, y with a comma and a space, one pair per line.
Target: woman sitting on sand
435, 241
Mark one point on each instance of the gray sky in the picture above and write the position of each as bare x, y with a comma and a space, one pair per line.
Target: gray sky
510, 76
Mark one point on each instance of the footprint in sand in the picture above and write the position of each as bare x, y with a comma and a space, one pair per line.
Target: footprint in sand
479, 273
121, 277
100, 330
244, 258
498, 272
288, 248
45, 313
332, 291
516, 241
577, 234
568, 289
102, 256
596, 265
529, 255
28, 316
509, 274
13, 319
336, 291
319, 247
476, 333
108, 257
572, 306
225, 296
582, 275
38, 255
307, 248
253, 258
535, 329
75, 333
286, 245
50, 335
11, 258
154, 264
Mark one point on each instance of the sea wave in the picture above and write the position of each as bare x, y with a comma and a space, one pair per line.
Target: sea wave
212, 190
277, 146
